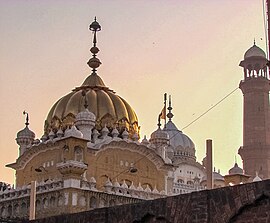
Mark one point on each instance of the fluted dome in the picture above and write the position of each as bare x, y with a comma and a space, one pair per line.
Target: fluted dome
25, 138
26, 133
159, 137
178, 138
236, 169
108, 108
159, 134
254, 51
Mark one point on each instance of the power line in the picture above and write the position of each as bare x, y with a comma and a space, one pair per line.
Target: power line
196, 119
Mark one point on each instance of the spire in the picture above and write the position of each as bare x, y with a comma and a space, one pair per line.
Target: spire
27, 118
159, 122
170, 114
254, 42
94, 62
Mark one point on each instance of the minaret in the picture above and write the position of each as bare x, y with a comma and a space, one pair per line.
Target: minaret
255, 151
25, 137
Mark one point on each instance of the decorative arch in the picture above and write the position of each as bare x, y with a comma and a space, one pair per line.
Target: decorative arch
138, 148
93, 202
52, 201
23, 208
78, 154
3, 211
9, 210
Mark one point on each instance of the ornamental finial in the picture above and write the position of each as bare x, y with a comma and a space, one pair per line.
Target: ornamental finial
170, 114
94, 62
27, 118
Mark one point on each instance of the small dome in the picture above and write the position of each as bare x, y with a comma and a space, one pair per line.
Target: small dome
26, 133
216, 176
159, 134
145, 141
254, 51
73, 131
236, 170
85, 115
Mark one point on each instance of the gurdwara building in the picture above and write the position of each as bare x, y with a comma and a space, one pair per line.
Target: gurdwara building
91, 154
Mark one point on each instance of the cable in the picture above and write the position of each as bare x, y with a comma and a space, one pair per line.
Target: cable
210, 109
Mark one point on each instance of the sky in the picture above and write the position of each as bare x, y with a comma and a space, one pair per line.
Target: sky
190, 49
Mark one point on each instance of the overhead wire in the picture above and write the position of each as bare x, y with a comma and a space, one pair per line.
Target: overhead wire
208, 110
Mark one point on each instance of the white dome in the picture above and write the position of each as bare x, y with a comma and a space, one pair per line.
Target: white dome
159, 134
236, 170
177, 138
254, 51
85, 115
216, 176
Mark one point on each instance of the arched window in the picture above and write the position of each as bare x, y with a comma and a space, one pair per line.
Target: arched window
190, 183
9, 211
53, 202
112, 203
38, 204
16, 209
93, 202
45, 203
3, 212
24, 208
180, 181
82, 201
60, 200
78, 154
102, 203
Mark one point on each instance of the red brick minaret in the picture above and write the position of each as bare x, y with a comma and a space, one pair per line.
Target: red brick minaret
255, 151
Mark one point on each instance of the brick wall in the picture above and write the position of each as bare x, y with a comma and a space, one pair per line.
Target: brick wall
243, 203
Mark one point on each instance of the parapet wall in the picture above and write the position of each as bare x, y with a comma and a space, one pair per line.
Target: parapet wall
242, 203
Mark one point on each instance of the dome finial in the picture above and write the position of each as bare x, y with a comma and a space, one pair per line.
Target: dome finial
159, 122
170, 114
254, 42
27, 118
94, 62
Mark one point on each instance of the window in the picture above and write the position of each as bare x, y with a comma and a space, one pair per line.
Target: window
78, 154
93, 202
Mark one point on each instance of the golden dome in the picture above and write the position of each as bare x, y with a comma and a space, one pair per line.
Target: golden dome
110, 109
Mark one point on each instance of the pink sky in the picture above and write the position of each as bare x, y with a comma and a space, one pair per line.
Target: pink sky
189, 49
